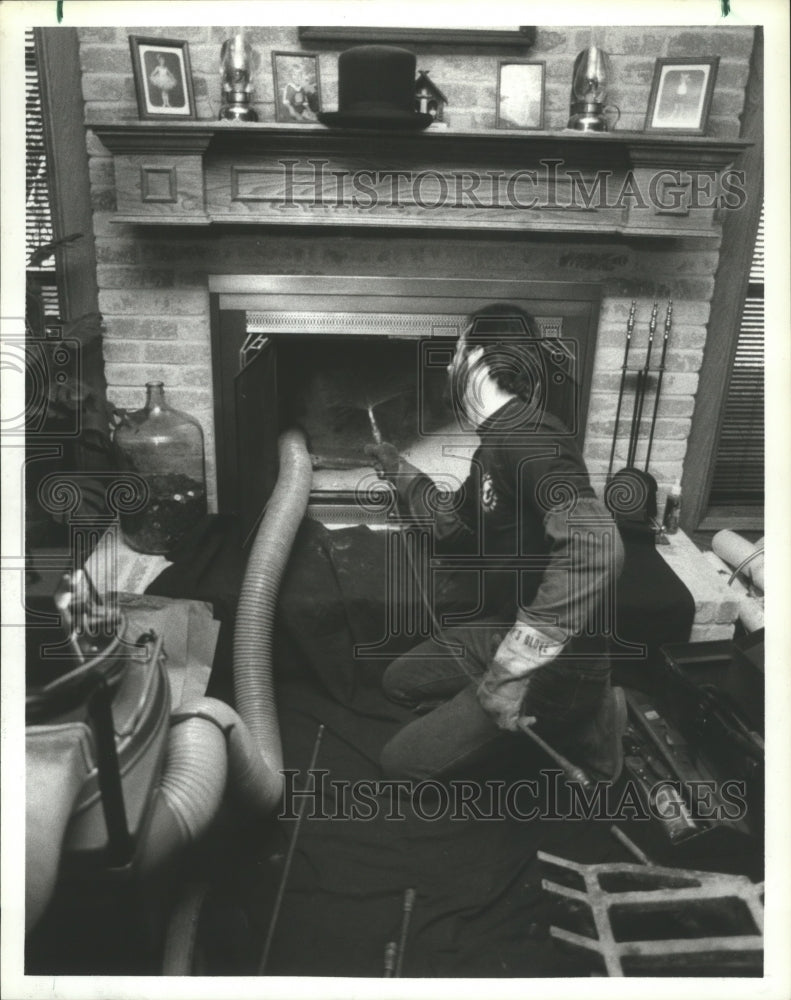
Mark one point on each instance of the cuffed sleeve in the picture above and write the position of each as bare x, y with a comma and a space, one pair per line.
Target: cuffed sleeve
502, 688
585, 559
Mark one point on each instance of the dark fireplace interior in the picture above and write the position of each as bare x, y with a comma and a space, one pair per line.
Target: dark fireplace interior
346, 368
345, 393
337, 390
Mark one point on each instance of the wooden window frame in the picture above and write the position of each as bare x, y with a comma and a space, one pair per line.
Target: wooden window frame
739, 229
58, 54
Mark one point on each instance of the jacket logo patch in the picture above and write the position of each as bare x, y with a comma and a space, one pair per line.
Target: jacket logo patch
488, 496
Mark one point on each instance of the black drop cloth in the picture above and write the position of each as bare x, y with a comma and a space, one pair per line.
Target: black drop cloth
653, 607
480, 910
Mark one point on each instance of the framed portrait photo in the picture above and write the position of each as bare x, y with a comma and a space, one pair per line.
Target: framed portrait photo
681, 95
297, 86
163, 78
520, 94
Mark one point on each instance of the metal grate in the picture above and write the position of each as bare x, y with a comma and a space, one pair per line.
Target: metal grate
648, 920
407, 325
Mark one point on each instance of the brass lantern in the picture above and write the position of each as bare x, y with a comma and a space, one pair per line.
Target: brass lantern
236, 71
589, 91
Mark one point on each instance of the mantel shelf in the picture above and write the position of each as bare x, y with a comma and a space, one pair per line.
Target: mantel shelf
201, 173
151, 136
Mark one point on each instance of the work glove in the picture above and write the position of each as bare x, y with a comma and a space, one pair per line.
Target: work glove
388, 462
384, 458
415, 491
503, 687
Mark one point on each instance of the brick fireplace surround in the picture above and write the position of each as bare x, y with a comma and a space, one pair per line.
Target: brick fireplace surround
153, 281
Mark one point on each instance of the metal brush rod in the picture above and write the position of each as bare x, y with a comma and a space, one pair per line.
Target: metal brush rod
287, 866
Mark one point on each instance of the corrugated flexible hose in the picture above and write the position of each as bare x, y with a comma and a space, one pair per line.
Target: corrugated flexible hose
209, 738
255, 616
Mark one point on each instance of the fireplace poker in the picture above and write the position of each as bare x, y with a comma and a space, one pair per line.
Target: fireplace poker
406, 916
335, 462
572, 772
630, 845
629, 331
391, 950
289, 858
639, 396
668, 324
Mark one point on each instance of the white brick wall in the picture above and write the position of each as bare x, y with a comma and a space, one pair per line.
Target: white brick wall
716, 605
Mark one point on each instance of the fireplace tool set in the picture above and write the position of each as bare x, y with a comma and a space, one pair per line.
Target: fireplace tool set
631, 492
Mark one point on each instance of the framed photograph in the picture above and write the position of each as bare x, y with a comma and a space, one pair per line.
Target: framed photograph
163, 79
681, 95
520, 94
297, 86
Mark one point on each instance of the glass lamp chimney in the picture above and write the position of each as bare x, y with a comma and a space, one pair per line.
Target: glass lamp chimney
589, 91
236, 73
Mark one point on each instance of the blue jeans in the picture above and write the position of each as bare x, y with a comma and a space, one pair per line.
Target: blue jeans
453, 730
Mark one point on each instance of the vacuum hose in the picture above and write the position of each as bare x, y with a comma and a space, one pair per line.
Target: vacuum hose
209, 744
209, 741
255, 617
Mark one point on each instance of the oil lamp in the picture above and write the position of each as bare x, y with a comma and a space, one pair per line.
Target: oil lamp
589, 91
236, 71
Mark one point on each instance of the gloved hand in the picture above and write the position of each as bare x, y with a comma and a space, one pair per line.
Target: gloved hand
503, 687
501, 696
389, 464
384, 458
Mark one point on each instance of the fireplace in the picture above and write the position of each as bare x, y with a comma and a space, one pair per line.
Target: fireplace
349, 358
271, 215
175, 202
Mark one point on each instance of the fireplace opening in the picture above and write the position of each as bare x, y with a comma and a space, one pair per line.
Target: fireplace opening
344, 392
347, 392
330, 353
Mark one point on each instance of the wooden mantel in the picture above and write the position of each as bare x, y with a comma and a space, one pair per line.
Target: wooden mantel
207, 173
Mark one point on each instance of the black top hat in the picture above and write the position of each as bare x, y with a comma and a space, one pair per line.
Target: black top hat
376, 89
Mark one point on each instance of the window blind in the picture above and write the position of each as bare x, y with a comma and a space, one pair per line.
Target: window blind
738, 478
38, 217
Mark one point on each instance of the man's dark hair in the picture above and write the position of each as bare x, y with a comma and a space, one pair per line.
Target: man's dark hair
510, 340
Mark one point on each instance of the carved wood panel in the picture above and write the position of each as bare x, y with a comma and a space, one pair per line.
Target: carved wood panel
604, 183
